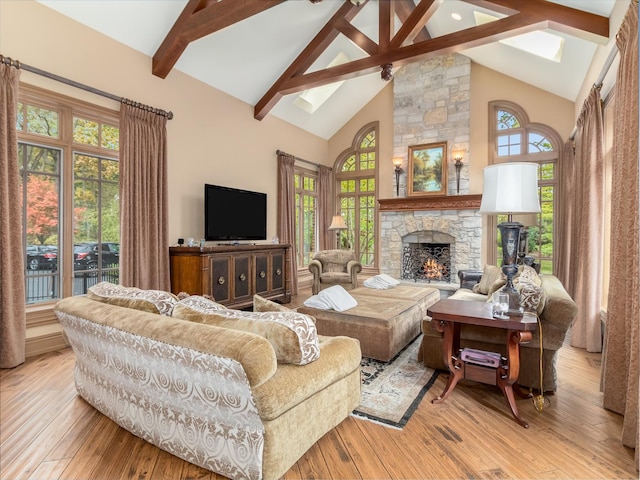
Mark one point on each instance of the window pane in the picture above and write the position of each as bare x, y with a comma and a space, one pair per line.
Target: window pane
85, 131
349, 164
369, 141
41, 206
110, 137
85, 166
110, 170
42, 121
547, 171
507, 120
539, 143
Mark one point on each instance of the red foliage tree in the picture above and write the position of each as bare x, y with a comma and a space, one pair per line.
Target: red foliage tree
42, 207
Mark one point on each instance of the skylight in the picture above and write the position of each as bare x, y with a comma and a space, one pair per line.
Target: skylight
543, 44
310, 100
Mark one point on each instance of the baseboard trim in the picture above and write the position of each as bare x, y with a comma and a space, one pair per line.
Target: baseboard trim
49, 342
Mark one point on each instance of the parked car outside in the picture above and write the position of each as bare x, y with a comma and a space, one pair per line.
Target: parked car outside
42, 257
86, 255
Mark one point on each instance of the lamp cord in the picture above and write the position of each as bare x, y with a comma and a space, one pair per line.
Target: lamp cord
540, 401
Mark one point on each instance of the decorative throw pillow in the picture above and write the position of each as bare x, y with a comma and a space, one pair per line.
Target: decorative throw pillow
153, 301
490, 273
528, 275
292, 335
532, 297
261, 304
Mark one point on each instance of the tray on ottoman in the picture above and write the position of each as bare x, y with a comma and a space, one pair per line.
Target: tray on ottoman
385, 321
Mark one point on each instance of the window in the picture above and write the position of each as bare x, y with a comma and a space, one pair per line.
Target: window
357, 197
515, 139
306, 185
68, 159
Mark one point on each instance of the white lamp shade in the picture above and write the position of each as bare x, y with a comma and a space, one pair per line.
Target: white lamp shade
337, 223
510, 188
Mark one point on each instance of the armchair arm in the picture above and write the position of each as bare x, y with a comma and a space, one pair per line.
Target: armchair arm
315, 267
468, 278
353, 267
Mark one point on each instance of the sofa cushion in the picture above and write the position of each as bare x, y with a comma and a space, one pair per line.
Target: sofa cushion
490, 274
292, 335
261, 304
153, 301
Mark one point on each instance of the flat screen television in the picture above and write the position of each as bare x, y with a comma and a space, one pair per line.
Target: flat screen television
231, 214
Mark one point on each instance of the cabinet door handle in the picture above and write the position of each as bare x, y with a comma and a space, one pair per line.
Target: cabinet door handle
262, 274
242, 277
221, 280
278, 272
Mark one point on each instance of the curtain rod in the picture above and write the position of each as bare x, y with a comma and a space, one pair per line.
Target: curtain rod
19, 65
598, 83
298, 159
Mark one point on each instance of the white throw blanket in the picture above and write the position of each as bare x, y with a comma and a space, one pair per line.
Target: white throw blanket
381, 282
332, 298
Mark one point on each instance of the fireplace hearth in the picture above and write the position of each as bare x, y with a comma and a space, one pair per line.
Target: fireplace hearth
426, 262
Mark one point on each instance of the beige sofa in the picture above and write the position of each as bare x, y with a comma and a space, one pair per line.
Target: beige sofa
556, 314
223, 389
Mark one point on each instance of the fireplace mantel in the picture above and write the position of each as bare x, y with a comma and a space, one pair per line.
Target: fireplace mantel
433, 202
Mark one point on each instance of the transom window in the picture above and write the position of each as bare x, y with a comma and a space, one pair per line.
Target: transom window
515, 139
356, 173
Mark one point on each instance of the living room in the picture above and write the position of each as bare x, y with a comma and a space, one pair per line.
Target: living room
214, 138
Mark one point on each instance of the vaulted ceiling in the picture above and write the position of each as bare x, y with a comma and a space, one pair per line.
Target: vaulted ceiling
269, 52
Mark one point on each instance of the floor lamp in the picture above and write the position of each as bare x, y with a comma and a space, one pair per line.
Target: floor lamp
510, 188
337, 224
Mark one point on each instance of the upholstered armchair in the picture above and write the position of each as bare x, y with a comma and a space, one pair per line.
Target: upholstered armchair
334, 267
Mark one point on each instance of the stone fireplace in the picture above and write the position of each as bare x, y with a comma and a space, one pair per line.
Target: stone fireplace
429, 238
411, 228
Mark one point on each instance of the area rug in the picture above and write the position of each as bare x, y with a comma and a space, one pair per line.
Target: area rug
391, 391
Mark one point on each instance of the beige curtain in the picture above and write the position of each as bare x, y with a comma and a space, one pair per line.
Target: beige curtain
325, 208
586, 227
12, 294
620, 359
287, 212
144, 243
565, 206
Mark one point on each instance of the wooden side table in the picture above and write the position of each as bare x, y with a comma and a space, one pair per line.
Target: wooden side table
449, 315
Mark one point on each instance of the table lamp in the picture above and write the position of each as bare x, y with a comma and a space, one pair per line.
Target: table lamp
337, 224
510, 188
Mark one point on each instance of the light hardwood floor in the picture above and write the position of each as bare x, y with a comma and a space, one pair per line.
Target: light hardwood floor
48, 432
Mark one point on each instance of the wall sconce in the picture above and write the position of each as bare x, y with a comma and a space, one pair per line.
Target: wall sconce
397, 164
458, 155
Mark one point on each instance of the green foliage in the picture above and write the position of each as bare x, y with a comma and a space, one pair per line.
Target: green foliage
43, 121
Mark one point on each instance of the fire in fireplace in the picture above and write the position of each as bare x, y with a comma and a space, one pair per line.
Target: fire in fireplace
427, 261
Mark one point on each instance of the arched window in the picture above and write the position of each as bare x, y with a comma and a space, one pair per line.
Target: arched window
515, 139
356, 179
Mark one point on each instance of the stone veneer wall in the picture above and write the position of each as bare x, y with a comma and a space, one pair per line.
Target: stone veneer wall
432, 104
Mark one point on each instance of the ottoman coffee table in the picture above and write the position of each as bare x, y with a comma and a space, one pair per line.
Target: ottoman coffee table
384, 321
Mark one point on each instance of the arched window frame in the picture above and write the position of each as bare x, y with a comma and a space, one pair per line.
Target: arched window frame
350, 203
550, 159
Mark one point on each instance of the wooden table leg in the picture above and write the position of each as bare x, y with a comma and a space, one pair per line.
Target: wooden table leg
507, 374
450, 349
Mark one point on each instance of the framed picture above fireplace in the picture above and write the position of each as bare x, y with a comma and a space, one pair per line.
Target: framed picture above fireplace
427, 173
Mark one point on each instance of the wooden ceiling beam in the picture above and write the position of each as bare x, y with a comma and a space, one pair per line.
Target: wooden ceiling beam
445, 44
385, 25
577, 23
320, 42
357, 37
415, 22
404, 9
198, 19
